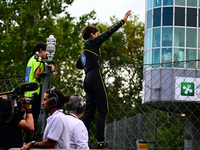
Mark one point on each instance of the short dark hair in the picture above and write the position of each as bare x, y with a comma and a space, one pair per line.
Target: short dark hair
62, 99
87, 30
37, 47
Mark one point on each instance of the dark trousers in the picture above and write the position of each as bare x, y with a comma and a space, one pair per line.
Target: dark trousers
96, 98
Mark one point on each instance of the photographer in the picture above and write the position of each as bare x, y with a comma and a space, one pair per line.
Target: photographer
11, 131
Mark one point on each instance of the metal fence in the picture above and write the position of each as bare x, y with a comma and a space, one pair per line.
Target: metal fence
129, 120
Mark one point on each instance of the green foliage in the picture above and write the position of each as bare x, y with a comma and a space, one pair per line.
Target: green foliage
170, 131
124, 48
24, 23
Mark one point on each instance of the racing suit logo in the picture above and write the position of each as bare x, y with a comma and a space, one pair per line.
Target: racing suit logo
83, 59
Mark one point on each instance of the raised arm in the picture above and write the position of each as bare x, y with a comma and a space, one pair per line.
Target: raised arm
28, 123
106, 34
128, 13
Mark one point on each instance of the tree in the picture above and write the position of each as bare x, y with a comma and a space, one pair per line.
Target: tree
23, 23
124, 48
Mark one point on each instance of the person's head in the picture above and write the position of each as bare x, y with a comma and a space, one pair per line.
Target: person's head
75, 105
41, 49
89, 31
54, 98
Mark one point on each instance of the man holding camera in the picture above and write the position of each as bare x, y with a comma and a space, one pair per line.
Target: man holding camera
11, 131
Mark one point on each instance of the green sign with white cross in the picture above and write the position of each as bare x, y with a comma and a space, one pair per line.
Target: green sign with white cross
187, 89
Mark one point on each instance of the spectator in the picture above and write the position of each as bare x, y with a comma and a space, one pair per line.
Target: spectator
166, 41
56, 134
78, 131
33, 74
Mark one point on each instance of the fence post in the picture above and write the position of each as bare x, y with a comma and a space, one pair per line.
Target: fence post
114, 134
125, 126
45, 85
138, 126
155, 136
192, 130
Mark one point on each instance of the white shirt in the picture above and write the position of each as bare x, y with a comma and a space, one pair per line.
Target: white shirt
78, 133
57, 129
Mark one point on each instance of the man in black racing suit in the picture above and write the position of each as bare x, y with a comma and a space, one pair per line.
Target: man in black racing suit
94, 86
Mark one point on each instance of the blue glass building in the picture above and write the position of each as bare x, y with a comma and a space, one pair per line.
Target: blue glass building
172, 33
171, 57
171, 48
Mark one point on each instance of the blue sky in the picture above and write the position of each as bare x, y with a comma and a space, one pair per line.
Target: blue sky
107, 8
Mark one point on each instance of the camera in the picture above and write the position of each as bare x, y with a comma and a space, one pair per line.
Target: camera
33, 97
7, 105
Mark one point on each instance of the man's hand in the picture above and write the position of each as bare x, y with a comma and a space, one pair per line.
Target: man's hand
52, 67
128, 13
27, 146
26, 106
48, 143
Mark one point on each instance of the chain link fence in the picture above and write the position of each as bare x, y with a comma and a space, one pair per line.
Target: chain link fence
131, 120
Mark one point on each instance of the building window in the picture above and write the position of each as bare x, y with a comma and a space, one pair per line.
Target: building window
167, 16
148, 59
192, 3
149, 39
199, 38
156, 58
167, 37
199, 59
156, 37
179, 16
178, 58
180, 2
179, 37
190, 58
192, 21
191, 37
149, 4
199, 15
166, 57
156, 17
149, 19
167, 2
157, 3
